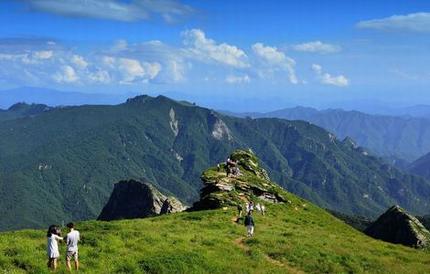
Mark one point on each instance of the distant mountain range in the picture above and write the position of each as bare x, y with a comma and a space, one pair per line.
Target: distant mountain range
395, 138
54, 97
62, 163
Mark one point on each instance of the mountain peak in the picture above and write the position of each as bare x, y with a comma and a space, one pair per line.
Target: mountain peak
139, 99
240, 179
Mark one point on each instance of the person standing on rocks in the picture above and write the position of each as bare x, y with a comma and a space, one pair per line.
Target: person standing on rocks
249, 223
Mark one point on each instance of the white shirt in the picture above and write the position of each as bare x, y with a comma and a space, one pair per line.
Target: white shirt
73, 238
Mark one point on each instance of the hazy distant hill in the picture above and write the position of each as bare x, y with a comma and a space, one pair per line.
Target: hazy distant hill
388, 136
53, 97
61, 164
20, 110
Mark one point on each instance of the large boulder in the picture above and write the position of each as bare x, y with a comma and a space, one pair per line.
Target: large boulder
133, 199
251, 183
399, 227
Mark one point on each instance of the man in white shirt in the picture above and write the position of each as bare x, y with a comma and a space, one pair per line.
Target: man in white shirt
72, 240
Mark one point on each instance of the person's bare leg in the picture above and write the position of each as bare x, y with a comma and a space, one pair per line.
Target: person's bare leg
54, 263
77, 265
68, 266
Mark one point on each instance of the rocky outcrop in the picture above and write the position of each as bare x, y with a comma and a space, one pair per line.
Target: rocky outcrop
397, 226
132, 199
250, 183
174, 124
220, 130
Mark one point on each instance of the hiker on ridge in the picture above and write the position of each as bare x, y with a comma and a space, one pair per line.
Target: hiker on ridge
249, 223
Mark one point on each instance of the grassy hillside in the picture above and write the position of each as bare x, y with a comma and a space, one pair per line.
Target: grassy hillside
62, 164
293, 238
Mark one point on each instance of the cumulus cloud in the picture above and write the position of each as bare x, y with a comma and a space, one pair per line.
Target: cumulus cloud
274, 60
234, 79
413, 22
43, 54
134, 10
66, 75
327, 79
317, 47
202, 48
79, 61
100, 76
133, 70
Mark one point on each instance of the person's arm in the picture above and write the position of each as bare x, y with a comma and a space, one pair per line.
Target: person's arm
59, 238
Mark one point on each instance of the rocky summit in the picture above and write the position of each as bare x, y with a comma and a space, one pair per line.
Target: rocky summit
399, 227
240, 179
133, 199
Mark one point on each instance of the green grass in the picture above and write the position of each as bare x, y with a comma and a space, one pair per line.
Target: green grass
293, 238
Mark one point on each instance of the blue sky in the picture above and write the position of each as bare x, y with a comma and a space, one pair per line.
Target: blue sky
237, 55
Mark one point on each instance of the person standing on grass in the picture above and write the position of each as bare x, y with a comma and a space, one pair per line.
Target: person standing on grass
53, 236
72, 239
249, 223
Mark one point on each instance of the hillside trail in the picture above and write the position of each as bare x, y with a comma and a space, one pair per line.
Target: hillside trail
240, 243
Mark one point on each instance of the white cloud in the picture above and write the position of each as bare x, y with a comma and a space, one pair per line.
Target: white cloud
100, 76
43, 54
234, 79
120, 45
108, 61
79, 61
327, 79
207, 50
66, 75
317, 47
132, 70
134, 10
275, 60
413, 22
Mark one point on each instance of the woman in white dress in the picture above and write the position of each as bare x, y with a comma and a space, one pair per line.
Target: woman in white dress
53, 236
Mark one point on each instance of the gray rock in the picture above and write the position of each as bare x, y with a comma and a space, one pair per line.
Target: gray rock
397, 226
133, 199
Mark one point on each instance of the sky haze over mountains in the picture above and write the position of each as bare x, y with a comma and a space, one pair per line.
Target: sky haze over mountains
249, 55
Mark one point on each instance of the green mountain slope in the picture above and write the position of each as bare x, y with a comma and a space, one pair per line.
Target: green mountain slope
421, 166
289, 239
392, 137
62, 164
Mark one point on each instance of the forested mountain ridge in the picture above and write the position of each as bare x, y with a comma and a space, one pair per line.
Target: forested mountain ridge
393, 137
62, 164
